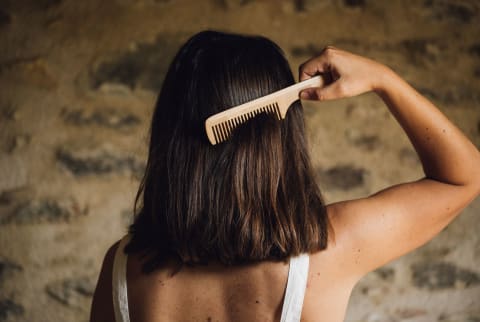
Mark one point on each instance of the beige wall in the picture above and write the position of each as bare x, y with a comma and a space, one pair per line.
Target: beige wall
77, 85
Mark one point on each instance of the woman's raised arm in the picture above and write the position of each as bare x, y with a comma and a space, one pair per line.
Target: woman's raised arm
375, 230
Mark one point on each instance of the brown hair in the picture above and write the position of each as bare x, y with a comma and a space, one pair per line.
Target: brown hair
250, 198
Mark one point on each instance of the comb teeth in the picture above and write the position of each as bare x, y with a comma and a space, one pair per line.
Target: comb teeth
219, 126
223, 130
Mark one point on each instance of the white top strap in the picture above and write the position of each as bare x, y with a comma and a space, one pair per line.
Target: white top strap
119, 283
296, 286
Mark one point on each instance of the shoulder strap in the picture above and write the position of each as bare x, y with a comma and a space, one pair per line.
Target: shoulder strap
296, 285
119, 283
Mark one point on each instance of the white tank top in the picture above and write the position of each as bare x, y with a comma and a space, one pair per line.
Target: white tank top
292, 303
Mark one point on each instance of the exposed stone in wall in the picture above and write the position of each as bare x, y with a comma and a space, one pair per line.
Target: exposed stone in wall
7, 269
306, 51
71, 291
18, 142
343, 177
355, 3
421, 51
143, 2
476, 72
385, 273
43, 211
82, 161
10, 309
433, 253
409, 313
441, 275
408, 156
312, 5
13, 172
32, 71
108, 117
457, 11
459, 317
44, 4
452, 95
143, 66
231, 4
363, 141
474, 50
8, 112
5, 18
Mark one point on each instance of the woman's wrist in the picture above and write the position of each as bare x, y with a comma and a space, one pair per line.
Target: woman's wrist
385, 80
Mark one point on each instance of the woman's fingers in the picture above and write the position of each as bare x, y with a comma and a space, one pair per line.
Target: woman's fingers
309, 94
330, 92
312, 68
317, 65
323, 65
344, 74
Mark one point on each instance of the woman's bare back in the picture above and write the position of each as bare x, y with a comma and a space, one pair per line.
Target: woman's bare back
207, 293
214, 292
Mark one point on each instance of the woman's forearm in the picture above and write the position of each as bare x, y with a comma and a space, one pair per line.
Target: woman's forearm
445, 153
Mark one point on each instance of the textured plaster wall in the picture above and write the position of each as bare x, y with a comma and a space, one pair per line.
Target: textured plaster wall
78, 81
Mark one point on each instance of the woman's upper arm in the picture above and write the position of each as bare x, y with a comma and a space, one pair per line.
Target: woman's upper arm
102, 305
372, 231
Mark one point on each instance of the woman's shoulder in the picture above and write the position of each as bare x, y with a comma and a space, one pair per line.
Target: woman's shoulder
102, 304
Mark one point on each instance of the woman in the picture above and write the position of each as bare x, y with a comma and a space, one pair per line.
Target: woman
238, 231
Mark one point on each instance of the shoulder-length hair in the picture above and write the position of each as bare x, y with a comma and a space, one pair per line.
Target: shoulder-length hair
250, 198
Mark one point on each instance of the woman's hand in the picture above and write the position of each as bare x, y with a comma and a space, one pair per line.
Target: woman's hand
345, 74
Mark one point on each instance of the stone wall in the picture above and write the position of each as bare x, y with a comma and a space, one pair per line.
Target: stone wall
78, 81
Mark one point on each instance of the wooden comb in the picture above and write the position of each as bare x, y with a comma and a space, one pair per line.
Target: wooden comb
220, 126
